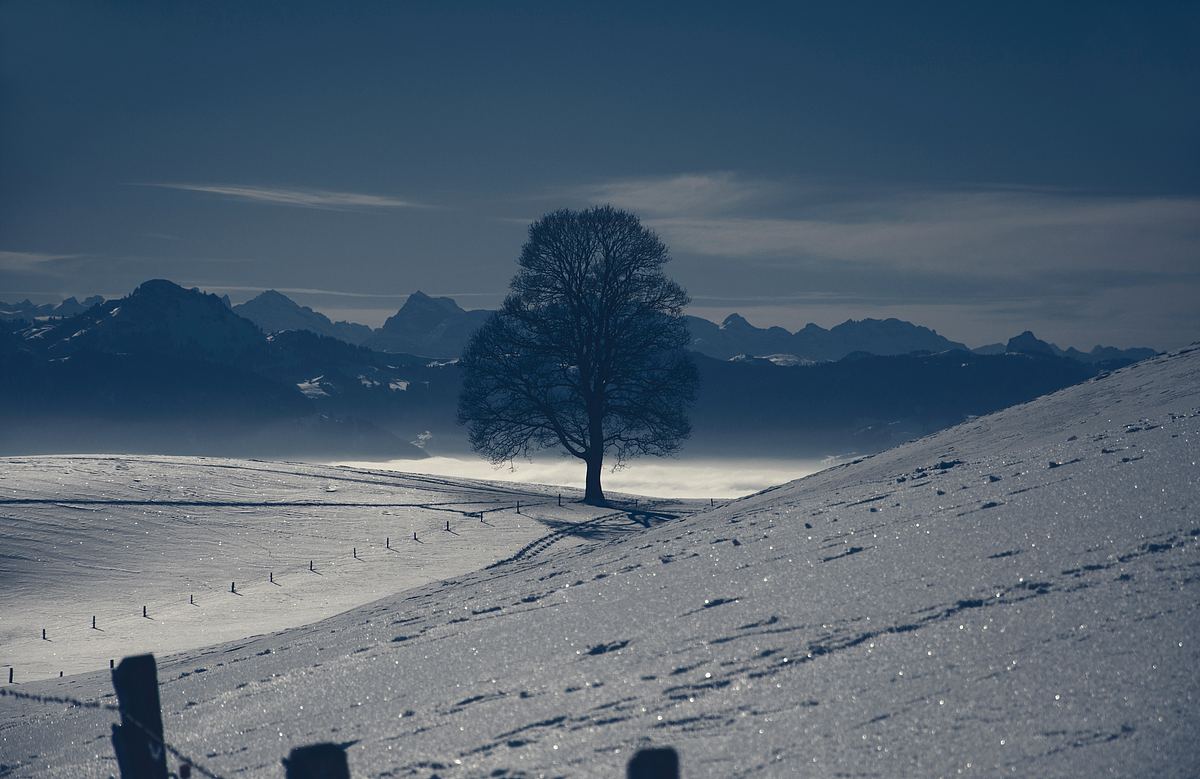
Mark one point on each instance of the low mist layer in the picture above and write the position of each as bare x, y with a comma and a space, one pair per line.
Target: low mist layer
708, 478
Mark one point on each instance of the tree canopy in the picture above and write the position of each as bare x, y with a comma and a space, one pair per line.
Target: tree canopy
587, 353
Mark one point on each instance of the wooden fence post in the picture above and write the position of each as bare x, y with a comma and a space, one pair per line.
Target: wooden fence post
656, 763
138, 740
317, 761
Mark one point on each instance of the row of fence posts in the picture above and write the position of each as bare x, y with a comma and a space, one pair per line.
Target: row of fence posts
270, 579
141, 746
311, 567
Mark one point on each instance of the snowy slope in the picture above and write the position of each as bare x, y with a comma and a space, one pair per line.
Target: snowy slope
1014, 596
106, 535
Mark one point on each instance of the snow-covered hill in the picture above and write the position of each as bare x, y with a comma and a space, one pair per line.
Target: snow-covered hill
1014, 596
104, 536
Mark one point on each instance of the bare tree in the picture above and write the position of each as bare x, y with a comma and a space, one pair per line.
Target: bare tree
587, 352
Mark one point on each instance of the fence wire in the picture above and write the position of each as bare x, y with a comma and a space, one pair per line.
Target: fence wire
58, 700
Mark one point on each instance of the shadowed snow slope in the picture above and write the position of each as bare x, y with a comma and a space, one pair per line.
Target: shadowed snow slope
104, 536
1013, 596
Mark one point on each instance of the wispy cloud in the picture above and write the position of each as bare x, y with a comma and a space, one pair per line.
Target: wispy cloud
1118, 266
324, 199
974, 231
29, 260
989, 233
686, 193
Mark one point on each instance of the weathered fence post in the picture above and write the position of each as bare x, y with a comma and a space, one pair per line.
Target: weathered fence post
10, 674
138, 740
317, 761
656, 763
233, 587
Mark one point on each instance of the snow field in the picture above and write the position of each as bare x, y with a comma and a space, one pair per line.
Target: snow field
104, 536
1015, 596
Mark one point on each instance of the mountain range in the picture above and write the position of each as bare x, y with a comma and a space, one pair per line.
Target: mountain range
735, 336
1028, 343
173, 370
274, 312
167, 369
31, 311
431, 326
437, 327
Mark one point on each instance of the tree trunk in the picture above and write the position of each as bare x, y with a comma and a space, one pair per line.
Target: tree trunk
593, 494
594, 458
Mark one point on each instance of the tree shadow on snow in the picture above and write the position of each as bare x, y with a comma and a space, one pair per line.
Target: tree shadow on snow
607, 527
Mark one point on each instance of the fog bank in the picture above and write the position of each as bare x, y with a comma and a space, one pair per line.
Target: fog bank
708, 478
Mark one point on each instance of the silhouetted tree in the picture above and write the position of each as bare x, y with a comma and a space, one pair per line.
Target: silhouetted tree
587, 352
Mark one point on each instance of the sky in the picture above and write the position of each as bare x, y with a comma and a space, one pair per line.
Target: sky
979, 168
